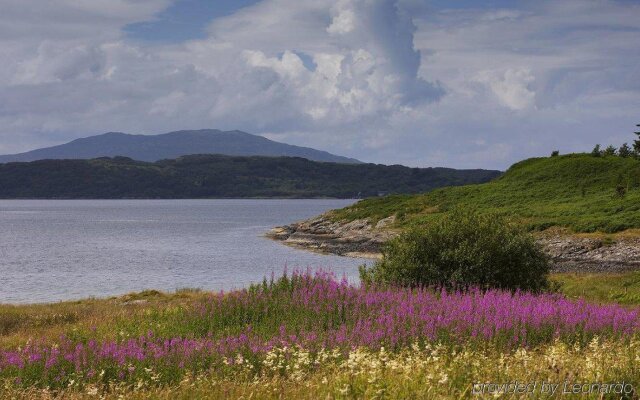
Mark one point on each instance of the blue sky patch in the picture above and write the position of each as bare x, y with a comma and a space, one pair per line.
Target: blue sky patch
184, 20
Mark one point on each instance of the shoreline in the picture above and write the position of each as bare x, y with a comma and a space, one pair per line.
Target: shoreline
361, 239
178, 198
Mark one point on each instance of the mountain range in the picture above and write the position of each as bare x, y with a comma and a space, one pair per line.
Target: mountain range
173, 145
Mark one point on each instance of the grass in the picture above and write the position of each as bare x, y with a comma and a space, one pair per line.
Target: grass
621, 288
576, 191
19, 323
413, 366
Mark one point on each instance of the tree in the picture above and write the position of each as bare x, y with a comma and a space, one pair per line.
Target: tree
463, 249
636, 143
596, 152
555, 153
625, 151
609, 151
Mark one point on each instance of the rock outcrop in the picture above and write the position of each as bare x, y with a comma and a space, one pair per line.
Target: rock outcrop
358, 238
361, 238
571, 253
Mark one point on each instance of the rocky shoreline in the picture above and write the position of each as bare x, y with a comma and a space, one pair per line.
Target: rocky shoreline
360, 238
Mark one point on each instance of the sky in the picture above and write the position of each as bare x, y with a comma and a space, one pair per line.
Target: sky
465, 84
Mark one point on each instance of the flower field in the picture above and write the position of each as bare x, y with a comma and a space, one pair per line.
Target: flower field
311, 333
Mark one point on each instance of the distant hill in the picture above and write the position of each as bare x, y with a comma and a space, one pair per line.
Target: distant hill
173, 145
576, 191
218, 176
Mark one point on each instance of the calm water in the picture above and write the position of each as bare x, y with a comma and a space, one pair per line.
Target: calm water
57, 250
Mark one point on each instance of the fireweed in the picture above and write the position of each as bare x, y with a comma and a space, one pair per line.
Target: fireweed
293, 325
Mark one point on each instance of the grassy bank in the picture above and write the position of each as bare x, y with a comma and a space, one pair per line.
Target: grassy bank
303, 337
621, 288
577, 191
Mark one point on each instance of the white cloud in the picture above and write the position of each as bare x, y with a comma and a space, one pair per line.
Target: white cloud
511, 87
368, 72
343, 21
289, 65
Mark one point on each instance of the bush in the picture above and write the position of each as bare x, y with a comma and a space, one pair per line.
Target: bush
463, 249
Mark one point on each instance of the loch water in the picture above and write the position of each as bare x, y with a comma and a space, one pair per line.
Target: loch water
52, 250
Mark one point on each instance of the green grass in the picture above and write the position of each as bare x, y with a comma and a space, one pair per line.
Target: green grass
102, 318
621, 288
575, 191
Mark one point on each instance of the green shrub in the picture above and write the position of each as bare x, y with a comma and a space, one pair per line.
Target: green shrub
463, 249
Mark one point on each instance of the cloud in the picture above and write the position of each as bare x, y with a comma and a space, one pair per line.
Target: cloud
72, 19
363, 51
568, 70
381, 80
342, 22
511, 87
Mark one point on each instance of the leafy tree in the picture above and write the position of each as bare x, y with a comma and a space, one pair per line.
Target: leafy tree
596, 152
463, 249
636, 143
609, 151
625, 151
555, 153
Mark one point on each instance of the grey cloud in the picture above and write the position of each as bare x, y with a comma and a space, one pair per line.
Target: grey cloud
393, 81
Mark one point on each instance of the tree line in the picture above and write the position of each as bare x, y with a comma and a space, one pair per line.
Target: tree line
218, 176
623, 151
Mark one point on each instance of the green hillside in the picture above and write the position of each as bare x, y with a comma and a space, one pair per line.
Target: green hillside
577, 191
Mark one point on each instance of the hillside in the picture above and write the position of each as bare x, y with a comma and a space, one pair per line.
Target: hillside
576, 191
173, 145
217, 176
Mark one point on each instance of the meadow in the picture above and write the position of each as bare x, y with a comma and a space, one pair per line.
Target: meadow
577, 192
310, 335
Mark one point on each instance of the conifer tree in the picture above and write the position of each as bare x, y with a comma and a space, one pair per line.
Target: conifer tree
636, 143
609, 151
625, 151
